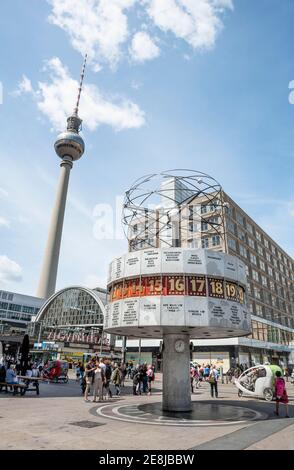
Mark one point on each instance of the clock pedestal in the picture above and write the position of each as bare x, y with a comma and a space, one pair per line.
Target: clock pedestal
176, 373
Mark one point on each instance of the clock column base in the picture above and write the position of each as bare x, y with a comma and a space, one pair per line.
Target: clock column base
176, 373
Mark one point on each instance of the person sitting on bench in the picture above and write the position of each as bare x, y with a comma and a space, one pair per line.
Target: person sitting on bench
11, 378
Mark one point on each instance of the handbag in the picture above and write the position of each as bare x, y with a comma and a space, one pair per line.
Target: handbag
211, 379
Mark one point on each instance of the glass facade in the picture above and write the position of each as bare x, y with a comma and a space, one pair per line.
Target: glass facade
74, 307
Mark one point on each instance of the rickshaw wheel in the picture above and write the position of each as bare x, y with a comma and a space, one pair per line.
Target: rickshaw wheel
268, 394
240, 393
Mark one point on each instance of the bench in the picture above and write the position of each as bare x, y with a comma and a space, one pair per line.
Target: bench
15, 388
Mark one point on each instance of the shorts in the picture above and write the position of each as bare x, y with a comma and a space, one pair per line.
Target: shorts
283, 399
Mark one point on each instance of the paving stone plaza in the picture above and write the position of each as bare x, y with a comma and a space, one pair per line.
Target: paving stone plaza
60, 419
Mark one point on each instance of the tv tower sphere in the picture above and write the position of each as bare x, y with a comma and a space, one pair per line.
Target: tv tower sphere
70, 144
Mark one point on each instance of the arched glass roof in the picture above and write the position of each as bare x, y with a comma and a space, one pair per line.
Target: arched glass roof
73, 306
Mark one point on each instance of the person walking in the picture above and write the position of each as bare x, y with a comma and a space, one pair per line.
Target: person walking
150, 377
136, 382
98, 381
89, 374
145, 378
206, 372
281, 393
82, 371
106, 385
212, 379
78, 373
116, 378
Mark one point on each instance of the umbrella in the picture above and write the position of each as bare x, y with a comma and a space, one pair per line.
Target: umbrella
25, 349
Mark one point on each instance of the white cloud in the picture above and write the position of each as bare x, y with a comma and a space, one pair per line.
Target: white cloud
101, 27
4, 222
143, 47
56, 98
97, 27
24, 86
195, 21
9, 270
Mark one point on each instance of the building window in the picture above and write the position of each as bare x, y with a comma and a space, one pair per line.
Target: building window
26, 309
241, 235
258, 235
255, 275
264, 281
215, 240
256, 292
260, 250
246, 270
205, 242
262, 265
253, 258
268, 257
277, 276
259, 310
251, 243
240, 219
270, 271
232, 244
203, 209
15, 307
231, 227
266, 243
249, 228
204, 226
10, 297
243, 251
3, 305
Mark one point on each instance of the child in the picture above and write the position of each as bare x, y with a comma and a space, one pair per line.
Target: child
281, 393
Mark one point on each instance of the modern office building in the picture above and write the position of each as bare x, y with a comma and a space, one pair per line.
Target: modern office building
270, 275
17, 310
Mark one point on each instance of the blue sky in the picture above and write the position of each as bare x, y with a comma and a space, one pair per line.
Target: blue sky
200, 84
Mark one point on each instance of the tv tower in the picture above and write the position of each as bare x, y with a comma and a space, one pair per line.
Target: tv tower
69, 146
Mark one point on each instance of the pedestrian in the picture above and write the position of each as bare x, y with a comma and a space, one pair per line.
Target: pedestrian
78, 373
206, 372
123, 370
116, 378
82, 371
129, 371
281, 393
213, 378
192, 378
108, 372
98, 380
136, 382
150, 377
89, 374
144, 378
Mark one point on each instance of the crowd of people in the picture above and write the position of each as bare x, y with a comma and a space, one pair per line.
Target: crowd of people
204, 373
104, 378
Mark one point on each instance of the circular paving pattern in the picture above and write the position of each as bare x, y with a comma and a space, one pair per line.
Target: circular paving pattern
202, 414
